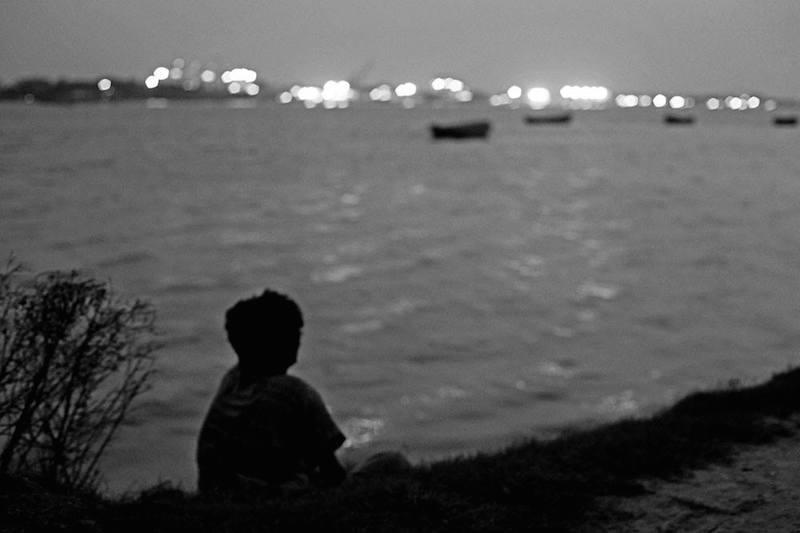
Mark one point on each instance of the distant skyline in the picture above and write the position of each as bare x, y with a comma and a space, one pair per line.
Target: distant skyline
628, 45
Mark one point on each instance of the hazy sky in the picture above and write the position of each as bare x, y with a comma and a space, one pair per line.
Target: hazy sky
670, 45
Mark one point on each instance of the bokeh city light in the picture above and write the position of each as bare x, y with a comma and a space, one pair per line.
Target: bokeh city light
538, 97
585, 96
179, 76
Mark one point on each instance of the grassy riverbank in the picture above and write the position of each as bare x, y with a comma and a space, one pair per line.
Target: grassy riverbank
553, 485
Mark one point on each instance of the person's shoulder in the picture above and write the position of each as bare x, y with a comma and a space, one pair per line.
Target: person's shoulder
232, 375
295, 388
229, 381
290, 382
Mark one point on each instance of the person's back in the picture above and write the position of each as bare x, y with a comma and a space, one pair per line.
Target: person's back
265, 428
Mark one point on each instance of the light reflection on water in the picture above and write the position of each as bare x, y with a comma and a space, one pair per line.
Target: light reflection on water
457, 296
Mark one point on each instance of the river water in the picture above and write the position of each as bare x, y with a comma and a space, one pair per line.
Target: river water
458, 296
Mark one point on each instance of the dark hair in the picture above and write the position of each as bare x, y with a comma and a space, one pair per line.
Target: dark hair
264, 331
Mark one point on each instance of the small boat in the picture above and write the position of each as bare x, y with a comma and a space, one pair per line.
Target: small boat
550, 118
785, 120
683, 120
465, 130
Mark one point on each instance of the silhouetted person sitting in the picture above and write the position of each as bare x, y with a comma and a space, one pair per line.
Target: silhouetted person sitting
266, 430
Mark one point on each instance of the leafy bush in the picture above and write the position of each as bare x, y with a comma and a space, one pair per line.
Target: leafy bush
72, 359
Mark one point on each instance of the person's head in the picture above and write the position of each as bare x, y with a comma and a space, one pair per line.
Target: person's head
264, 331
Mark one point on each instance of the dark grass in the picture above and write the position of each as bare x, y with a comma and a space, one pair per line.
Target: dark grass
542, 486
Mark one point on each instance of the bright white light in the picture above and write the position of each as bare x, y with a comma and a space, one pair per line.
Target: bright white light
405, 90
598, 94
242, 75
310, 95
514, 92
235, 87
245, 75
381, 93
584, 93
645, 100
176, 73
734, 102
251, 75
659, 100
285, 97
712, 104
538, 97
450, 84
753, 102
151, 82
104, 84
336, 91
208, 76
161, 73
464, 96
677, 102
627, 100
252, 89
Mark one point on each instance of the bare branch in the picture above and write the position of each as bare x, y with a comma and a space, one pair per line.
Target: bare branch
72, 360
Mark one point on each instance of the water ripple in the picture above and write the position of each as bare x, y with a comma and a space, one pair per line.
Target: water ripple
337, 274
590, 289
124, 259
361, 430
362, 327
618, 404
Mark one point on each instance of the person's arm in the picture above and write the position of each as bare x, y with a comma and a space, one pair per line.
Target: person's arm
323, 437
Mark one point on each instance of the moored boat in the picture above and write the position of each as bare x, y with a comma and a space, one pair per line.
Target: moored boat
548, 118
785, 120
678, 119
478, 129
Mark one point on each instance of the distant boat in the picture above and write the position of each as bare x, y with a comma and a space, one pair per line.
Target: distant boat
785, 120
549, 118
683, 120
465, 130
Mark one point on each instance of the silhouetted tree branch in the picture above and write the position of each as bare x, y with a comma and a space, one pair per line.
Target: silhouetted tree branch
72, 360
